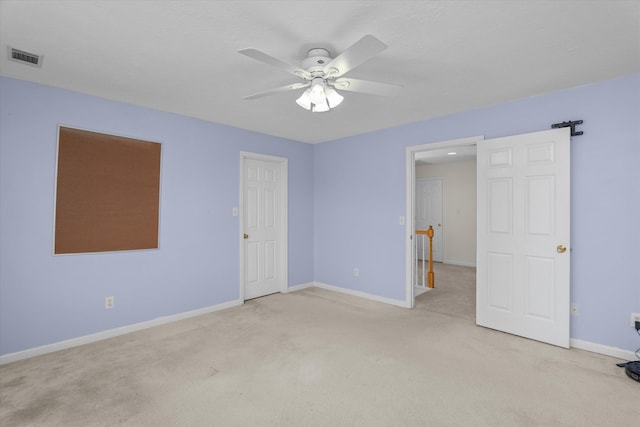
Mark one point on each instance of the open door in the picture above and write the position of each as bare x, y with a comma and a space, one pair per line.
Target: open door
523, 254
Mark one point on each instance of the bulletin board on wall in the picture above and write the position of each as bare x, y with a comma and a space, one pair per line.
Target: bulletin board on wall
107, 193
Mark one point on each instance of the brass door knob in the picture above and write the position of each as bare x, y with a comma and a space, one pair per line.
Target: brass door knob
246, 236
561, 249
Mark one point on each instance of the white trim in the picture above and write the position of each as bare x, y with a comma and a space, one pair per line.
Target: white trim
410, 159
284, 218
602, 349
110, 333
55, 193
396, 302
410, 195
460, 263
300, 287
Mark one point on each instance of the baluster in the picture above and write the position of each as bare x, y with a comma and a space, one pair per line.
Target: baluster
416, 255
424, 285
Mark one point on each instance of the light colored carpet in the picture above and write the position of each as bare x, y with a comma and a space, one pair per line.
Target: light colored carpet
454, 292
318, 358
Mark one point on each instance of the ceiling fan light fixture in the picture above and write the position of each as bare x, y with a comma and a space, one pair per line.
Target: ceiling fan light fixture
333, 97
317, 91
305, 100
319, 97
321, 107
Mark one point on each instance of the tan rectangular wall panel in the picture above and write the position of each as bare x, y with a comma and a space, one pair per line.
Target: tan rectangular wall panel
108, 193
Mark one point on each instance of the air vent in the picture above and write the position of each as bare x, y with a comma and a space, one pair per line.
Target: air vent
25, 57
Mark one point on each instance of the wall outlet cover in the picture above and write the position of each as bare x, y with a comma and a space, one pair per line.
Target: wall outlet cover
575, 309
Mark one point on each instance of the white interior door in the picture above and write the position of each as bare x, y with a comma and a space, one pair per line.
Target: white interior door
429, 212
523, 235
263, 258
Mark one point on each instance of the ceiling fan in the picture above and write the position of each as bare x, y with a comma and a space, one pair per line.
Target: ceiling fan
322, 75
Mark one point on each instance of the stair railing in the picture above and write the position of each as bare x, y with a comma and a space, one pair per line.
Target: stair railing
420, 234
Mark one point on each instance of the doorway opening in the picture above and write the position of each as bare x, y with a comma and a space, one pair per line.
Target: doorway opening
452, 214
523, 233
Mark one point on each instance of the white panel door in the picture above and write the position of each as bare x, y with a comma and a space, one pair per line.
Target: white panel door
523, 260
262, 228
429, 212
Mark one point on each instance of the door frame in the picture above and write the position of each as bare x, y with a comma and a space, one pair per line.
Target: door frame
410, 162
284, 222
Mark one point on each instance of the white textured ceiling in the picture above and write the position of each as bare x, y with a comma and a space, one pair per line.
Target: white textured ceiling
450, 56
446, 155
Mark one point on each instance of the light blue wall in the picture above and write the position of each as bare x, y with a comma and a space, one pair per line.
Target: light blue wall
345, 198
46, 299
360, 193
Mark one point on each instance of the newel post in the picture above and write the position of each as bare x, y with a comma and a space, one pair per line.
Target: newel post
430, 276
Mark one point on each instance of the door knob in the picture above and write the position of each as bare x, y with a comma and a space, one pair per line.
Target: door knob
561, 249
246, 236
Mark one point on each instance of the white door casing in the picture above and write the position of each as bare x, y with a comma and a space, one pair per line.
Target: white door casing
263, 218
523, 242
429, 212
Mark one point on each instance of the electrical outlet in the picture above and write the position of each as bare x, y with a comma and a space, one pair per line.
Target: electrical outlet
108, 302
356, 272
635, 317
575, 309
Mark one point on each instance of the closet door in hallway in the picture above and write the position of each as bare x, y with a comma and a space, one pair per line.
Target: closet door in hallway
429, 212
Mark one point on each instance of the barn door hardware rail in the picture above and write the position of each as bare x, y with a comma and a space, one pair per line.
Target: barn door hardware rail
570, 124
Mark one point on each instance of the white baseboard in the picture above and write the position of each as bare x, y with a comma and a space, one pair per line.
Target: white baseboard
396, 302
110, 333
602, 349
460, 263
74, 342
575, 343
299, 287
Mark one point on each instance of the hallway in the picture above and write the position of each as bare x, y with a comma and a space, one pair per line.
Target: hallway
454, 293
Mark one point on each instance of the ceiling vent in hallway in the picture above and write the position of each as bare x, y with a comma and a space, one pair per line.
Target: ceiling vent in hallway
25, 57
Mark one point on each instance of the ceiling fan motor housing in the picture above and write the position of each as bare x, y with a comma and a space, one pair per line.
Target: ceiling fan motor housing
316, 60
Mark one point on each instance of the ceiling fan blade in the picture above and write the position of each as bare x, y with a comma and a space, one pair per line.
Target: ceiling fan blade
355, 55
275, 62
281, 89
366, 86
